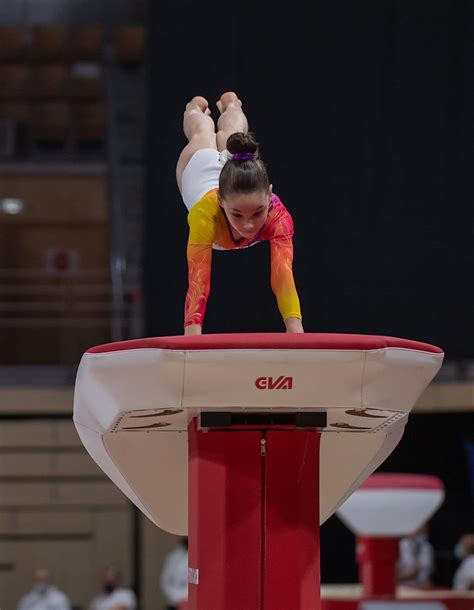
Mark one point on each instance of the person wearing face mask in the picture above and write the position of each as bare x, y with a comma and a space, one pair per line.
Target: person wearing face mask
464, 576
416, 559
113, 596
43, 595
174, 576
225, 186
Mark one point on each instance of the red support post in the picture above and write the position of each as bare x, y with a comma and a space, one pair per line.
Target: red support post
253, 519
377, 558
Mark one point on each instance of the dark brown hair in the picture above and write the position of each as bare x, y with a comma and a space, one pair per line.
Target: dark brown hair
243, 176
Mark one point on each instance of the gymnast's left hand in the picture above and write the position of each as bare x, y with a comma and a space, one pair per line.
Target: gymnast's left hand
294, 325
193, 329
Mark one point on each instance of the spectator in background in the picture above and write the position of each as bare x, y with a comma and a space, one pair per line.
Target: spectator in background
464, 576
113, 597
174, 576
416, 562
43, 595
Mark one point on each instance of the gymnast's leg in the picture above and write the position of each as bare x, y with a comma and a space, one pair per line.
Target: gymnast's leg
231, 120
199, 128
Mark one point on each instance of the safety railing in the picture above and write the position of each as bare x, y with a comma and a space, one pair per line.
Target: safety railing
50, 317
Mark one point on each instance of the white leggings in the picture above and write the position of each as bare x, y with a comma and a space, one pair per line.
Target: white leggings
201, 174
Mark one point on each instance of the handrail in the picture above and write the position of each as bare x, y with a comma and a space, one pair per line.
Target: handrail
54, 307
48, 323
44, 299
46, 273
49, 290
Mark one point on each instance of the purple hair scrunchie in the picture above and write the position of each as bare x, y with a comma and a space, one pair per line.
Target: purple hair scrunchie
243, 156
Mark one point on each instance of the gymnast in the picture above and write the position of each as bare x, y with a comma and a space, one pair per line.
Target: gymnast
225, 186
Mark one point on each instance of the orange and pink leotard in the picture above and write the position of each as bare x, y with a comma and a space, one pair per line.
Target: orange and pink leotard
209, 228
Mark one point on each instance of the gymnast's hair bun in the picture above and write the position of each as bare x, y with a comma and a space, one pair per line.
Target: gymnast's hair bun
244, 172
240, 142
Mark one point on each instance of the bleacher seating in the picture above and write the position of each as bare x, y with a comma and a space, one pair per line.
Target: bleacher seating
89, 121
14, 79
19, 112
51, 121
129, 43
85, 42
49, 81
86, 81
49, 43
52, 78
13, 42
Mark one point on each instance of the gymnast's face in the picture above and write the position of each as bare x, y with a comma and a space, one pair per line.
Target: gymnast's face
246, 212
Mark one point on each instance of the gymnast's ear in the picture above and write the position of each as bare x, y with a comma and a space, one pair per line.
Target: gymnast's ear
270, 189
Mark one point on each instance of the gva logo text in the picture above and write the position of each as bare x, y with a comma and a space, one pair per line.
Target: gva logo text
271, 383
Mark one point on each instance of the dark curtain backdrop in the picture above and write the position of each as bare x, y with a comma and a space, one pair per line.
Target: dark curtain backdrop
364, 114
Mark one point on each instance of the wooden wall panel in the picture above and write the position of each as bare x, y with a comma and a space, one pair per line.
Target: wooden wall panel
93, 493
50, 346
50, 433
57, 510
54, 522
76, 564
56, 198
17, 434
66, 434
26, 244
24, 465
111, 529
52, 314
40, 399
75, 465
49, 495
26, 494
155, 545
30, 464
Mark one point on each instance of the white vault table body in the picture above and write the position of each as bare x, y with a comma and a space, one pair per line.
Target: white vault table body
134, 400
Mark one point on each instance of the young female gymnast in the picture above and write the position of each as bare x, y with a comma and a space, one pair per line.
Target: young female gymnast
225, 187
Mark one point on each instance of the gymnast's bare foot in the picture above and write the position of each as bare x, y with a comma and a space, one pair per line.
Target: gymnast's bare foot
231, 120
199, 128
229, 98
198, 103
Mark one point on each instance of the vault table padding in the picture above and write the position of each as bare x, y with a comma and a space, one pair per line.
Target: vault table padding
134, 401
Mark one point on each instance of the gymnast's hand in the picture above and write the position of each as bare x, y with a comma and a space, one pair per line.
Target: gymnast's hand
193, 329
294, 325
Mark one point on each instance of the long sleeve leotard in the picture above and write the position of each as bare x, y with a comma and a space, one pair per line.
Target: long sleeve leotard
209, 228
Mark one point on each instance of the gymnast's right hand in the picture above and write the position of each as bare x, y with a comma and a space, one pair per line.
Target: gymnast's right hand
193, 329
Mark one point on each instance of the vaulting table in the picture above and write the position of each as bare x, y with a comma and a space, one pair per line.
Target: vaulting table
247, 442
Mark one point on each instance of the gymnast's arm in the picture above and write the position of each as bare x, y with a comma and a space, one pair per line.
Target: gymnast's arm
199, 254
283, 283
